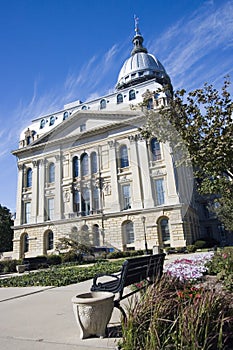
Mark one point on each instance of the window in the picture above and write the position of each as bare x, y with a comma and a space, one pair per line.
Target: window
75, 167
124, 160
95, 202
51, 120
155, 149
65, 115
128, 230
49, 240
76, 201
96, 235
103, 104
29, 178
25, 243
132, 95
94, 167
119, 98
85, 201
84, 108
51, 173
50, 208
159, 192
84, 164
150, 103
165, 230
42, 123
27, 212
126, 197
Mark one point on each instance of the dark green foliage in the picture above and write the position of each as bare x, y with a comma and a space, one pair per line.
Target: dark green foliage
54, 259
7, 266
60, 275
6, 233
206, 242
191, 248
125, 254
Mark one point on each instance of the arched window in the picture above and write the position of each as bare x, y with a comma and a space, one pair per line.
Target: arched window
132, 95
103, 104
29, 178
128, 234
42, 123
96, 235
65, 115
84, 164
51, 173
95, 199
119, 98
124, 160
84, 107
49, 240
75, 167
94, 166
155, 149
52, 120
25, 243
164, 227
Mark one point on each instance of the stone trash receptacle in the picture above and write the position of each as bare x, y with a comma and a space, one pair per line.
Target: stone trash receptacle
93, 311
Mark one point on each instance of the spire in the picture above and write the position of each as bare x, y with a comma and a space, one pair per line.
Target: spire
138, 39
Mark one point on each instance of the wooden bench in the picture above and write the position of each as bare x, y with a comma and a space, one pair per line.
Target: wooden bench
134, 270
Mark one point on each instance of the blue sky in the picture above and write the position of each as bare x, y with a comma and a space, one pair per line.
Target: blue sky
56, 51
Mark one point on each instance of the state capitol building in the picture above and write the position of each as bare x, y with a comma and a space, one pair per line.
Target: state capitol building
88, 169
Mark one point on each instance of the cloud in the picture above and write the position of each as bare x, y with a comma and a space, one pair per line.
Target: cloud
194, 39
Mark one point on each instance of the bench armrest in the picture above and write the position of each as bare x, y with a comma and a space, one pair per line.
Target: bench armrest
115, 276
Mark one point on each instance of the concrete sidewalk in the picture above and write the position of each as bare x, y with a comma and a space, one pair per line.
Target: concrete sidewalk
42, 319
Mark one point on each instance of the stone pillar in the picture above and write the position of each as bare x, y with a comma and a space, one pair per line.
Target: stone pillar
148, 201
18, 219
34, 201
41, 188
115, 206
136, 184
58, 197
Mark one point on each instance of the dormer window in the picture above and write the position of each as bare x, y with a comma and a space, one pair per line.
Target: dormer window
84, 108
119, 98
132, 95
42, 123
52, 120
103, 104
65, 115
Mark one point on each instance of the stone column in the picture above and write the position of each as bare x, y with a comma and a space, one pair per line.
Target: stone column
114, 181
18, 219
134, 164
148, 201
34, 200
41, 189
58, 197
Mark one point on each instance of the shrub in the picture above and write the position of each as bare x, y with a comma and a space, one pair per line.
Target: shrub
172, 315
71, 256
124, 254
191, 248
7, 266
199, 244
54, 259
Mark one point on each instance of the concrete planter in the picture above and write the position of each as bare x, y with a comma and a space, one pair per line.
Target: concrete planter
20, 268
93, 311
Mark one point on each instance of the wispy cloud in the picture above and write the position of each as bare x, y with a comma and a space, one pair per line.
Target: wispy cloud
191, 40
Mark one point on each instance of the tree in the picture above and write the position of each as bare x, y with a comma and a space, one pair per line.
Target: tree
199, 127
6, 232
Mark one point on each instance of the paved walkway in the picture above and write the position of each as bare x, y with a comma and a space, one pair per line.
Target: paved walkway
41, 318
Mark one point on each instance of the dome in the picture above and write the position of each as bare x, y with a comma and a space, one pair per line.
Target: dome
141, 66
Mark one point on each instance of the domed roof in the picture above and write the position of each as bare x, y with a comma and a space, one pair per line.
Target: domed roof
141, 66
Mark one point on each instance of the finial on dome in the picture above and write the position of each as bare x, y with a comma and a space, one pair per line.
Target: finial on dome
136, 21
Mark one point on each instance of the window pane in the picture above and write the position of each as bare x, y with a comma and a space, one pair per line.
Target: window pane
95, 203
51, 172
29, 178
124, 157
25, 243
50, 240
85, 202
155, 149
126, 197
129, 231
75, 167
76, 201
84, 164
132, 95
165, 230
27, 212
94, 163
119, 98
50, 208
159, 190
102, 104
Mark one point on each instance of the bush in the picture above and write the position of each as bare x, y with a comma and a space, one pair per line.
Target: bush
199, 244
54, 259
191, 248
206, 242
71, 256
124, 254
172, 315
7, 266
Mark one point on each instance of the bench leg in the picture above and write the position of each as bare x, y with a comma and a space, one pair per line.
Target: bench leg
119, 307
